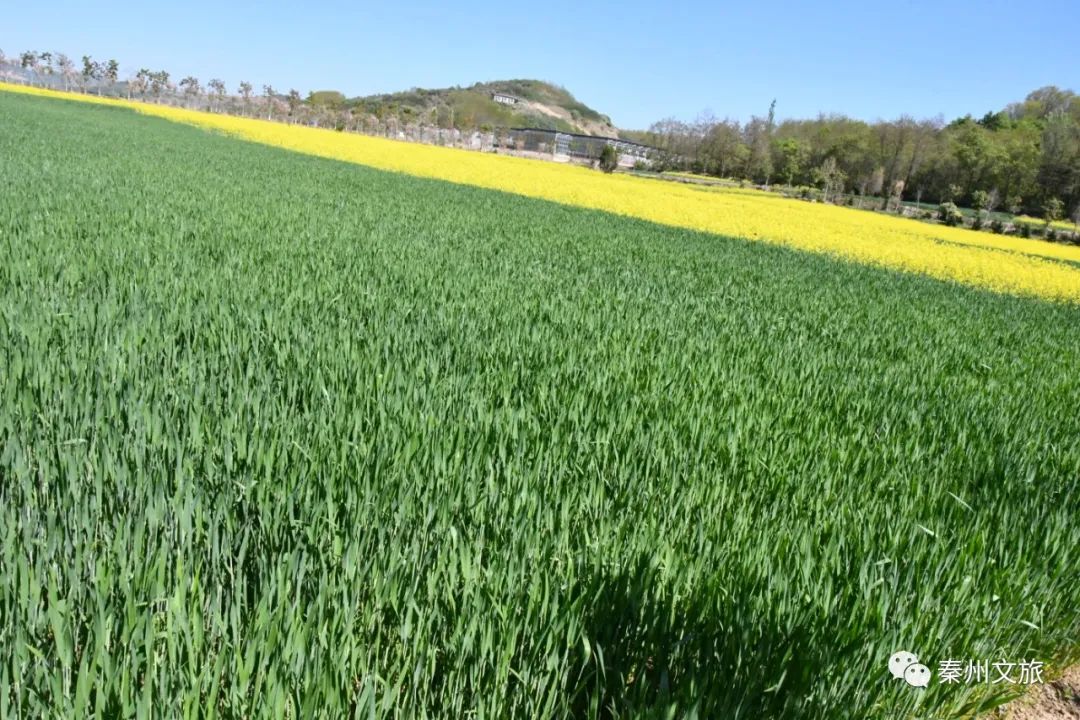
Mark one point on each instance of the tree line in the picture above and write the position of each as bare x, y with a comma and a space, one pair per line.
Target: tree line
1024, 158
50, 69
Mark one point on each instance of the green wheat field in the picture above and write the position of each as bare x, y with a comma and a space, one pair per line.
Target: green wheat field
285, 437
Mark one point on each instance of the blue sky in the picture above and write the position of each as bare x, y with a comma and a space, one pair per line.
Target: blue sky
637, 61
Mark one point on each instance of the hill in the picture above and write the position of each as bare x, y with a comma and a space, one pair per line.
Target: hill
538, 104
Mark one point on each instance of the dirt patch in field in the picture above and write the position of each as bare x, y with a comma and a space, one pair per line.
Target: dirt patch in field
1058, 700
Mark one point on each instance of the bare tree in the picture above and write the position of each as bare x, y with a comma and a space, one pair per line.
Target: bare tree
894, 151
159, 82
140, 83
245, 92
896, 192
4, 62
759, 132
191, 87
268, 93
830, 176
294, 102
66, 68
877, 180
925, 132
217, 87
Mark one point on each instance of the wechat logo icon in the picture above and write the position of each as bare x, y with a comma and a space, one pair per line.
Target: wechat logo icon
905, 665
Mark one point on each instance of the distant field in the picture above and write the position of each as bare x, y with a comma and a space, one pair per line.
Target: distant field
1057, 225
696, 176
290, 437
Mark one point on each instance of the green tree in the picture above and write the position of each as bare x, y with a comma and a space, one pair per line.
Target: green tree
609, 159
1052, 210
90, 71
1018, 168
1059, 166
331, 99
949, 214
112, 71
791, 154
971, 150
979, 199
723, 150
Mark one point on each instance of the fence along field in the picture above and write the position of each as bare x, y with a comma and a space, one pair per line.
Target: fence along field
287, 437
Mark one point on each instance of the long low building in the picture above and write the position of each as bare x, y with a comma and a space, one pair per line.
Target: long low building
573, 145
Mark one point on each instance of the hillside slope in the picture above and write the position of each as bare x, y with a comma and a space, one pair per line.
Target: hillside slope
539, 104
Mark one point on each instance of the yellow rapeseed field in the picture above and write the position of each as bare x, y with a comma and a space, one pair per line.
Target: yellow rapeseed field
1005, 264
